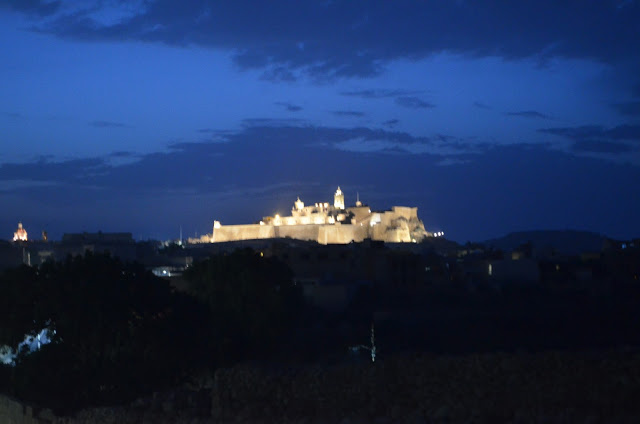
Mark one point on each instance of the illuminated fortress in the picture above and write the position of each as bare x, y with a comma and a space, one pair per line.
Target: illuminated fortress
328, 224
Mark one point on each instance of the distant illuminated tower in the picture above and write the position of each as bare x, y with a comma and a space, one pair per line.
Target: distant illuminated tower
358, 202
338, 199
20, 234
299, 204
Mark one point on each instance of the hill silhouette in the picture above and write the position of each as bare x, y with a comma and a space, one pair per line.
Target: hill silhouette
568, 242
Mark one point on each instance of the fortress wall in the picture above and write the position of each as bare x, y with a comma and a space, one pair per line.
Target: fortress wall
298, 232
377, 232
383, 233
405, 212
398, 236
341, 234
242, 232
360, 213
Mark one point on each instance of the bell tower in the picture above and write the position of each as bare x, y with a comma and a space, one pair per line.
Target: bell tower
338, 199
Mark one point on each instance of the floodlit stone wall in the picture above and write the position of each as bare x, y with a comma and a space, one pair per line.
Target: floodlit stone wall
242, 232
395, 226
299, 232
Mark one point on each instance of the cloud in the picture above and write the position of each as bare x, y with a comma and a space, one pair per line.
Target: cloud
631, 109
598, 139
379, 93
13, 115
596, 146
32, 7
107, 124
45, 169
122, 154
363, 37
391, 122
620, 132
260, 169
529, 114
348, 113
271, 122
480, 105
413, 103
289, 107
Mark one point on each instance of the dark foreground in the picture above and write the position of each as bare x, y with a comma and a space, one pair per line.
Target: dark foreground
549, 387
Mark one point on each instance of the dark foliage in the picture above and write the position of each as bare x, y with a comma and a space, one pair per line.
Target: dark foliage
253, 303
118, 332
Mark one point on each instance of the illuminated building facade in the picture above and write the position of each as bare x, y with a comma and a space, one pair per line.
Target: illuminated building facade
20, 234
328, 224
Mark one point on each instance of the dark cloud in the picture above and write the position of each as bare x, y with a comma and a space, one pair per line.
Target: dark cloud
379, 93
413, 103
260, 170
597, 139
122, 154
481, 106
279, 73
628, 108
271, 122
289, 107
32, 7
391, 122
529, 114
590, 132
44, 169
364, 37
107, 124
351, 113
596, 146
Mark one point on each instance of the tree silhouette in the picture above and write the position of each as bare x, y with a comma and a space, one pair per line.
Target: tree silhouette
117, 332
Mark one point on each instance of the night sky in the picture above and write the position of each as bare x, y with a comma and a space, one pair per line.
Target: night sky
489, 116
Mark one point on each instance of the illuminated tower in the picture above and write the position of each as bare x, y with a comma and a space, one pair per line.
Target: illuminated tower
338, 199
20, 234
299, 204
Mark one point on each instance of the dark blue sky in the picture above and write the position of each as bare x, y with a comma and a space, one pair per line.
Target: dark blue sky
490, 116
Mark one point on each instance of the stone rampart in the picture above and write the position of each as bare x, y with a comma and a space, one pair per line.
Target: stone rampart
341, 234
242, 232
406, 212
299, 232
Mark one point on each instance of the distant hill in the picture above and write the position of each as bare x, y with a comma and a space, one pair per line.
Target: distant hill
568, 242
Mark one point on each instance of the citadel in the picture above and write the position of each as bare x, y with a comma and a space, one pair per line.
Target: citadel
328, 224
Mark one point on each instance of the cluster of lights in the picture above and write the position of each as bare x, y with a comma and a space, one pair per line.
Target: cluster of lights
438, 234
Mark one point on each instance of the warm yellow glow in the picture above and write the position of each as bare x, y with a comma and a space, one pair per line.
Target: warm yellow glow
20, 234
216, 224
338, 199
